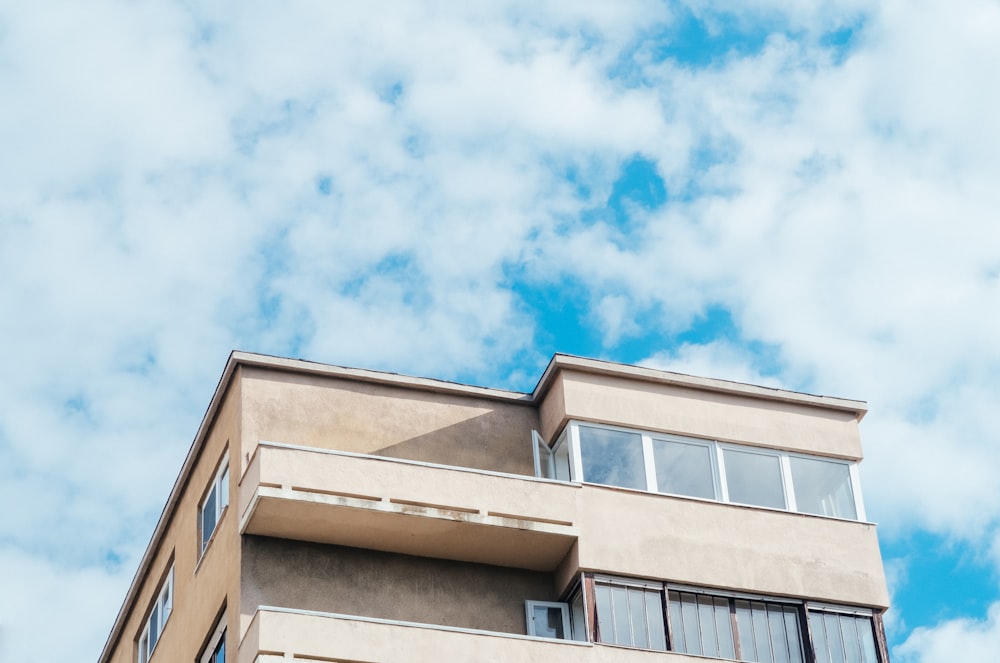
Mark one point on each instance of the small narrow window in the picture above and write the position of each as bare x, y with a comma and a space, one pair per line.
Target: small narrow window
842, 638
547, 619
215, 649
612, 457
158, 615
630, 614
215, 502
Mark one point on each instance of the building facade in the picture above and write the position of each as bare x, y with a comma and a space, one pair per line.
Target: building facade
616, 513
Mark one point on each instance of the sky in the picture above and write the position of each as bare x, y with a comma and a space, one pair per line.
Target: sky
797, 194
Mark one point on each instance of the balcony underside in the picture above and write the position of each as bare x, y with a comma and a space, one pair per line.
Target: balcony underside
408, 527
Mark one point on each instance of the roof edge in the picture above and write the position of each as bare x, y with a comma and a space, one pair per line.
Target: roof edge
561, 362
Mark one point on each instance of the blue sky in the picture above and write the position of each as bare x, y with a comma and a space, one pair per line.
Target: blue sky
795, 194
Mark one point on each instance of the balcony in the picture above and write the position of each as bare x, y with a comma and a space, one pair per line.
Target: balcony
407, 507
277, 635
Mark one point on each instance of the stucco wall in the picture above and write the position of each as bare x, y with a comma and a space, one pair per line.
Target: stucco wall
687, 411
366, 417
200, 589
368, 583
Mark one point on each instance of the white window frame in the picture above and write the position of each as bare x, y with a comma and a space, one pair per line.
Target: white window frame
218, 635
529, 616
571, 436
783, 472
162, 608
219, 488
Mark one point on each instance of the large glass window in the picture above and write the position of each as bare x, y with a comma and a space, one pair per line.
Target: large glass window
704, 469
684, 468
842, 638
741, 629
754, 478
701, 625
822, 487
612, 457
630, 614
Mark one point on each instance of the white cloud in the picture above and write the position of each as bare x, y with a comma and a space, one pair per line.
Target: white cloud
953, 640
366, 186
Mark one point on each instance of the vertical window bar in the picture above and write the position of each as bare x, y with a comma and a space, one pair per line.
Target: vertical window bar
786, 480
576, 460
649, 463
720, 463
859, 502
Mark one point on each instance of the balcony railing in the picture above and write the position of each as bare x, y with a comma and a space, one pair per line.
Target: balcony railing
407, 507
277, 635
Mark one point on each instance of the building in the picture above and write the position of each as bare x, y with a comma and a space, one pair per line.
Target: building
616, 513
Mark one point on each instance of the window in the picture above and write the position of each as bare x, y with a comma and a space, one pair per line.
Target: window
823, 487
214, 503
734, 628
704, 469
684, 468
630, 613
215, 650
547, 619
612, 457
754, 478
157, 619
842, 638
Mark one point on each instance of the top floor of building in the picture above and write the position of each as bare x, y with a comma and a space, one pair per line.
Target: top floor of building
604, 476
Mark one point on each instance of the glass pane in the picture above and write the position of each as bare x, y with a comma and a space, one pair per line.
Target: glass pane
761, 635
684, 469
637, 613
794, 634
676, 622
560, 460
776, 629
619, 602
834, 638
852, 645
754, 478
578, 619
654, 620
744, 624
706, 618
692, 630
818, 629
154, 626
208, 519
548, 621
605, 622
867, 637
724, 627
823, 487
611, 457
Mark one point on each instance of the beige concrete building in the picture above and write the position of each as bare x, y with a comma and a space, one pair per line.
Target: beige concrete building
616, 513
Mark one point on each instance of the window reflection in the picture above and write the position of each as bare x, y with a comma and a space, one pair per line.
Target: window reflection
754, 478
822, 487
612, 457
